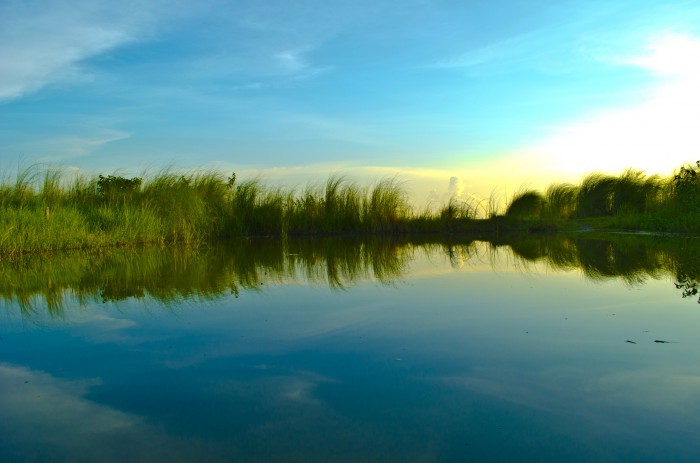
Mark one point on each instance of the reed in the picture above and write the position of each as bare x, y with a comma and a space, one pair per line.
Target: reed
560, 202
525, 205
41, 210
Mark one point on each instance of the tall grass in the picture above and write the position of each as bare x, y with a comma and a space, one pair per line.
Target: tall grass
525, 205
631, 200
560, 202
42, 210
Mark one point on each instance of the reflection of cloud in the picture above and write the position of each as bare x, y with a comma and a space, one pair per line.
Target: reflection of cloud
643, 393
99, 327
50, 419
300, 388
659, 392
284, 390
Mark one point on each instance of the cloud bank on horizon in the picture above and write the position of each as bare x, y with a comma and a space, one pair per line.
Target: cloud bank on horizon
493, 93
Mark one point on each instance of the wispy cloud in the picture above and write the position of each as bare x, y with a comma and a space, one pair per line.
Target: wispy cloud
572, 38
42, 43
295, 63
71, 147
81, 143
328, 128
291, 61
556, 46
511, 52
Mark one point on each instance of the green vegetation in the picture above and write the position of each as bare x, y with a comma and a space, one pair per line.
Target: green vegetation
44, 285
526, 205
44, 282
41, 211
630, 201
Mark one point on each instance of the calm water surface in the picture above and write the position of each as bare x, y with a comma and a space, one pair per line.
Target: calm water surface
542, 349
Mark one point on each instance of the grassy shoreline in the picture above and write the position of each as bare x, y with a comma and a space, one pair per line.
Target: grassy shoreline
40, 212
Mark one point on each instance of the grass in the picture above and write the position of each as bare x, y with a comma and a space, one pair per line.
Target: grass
525, 205
42, 211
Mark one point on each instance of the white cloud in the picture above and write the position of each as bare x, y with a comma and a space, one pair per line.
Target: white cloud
45, 42
674, 55
425, 187
655, 135
458, 191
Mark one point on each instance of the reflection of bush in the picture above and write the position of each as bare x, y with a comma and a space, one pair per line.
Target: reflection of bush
173, 274
630, 257
688, 287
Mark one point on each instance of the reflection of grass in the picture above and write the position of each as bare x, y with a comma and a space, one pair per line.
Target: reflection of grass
171, 274
42, 212
41, 284
628, 256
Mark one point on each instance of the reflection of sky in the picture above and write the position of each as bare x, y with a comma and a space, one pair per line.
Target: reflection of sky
447, 363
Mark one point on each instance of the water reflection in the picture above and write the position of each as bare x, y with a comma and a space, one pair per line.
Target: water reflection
172, 274
510, 356
631, 257
35, 283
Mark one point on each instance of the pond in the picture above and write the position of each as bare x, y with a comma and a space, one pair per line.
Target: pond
535, 348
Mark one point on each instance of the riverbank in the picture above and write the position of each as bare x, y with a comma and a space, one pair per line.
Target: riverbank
40, 212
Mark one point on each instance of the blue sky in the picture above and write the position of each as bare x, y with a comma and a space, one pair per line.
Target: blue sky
453, 97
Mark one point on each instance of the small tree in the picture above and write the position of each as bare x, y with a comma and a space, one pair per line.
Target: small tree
686, 185
114, 188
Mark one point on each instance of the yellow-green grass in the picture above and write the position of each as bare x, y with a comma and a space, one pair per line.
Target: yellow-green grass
42, 211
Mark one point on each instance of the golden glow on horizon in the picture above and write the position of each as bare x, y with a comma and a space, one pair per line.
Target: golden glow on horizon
656, 135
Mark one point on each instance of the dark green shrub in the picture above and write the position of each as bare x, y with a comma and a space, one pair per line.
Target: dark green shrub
525, 205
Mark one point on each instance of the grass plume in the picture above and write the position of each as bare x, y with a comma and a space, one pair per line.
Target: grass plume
43, 211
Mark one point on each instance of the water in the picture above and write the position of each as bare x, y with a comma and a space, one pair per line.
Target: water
329, 350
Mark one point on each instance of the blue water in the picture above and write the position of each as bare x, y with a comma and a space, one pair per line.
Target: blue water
489, 359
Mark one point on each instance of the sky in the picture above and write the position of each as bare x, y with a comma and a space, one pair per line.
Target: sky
450, 97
